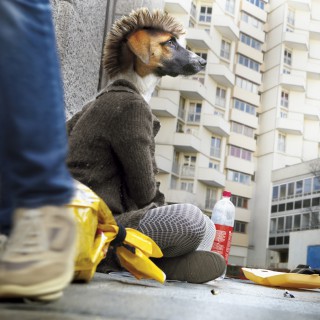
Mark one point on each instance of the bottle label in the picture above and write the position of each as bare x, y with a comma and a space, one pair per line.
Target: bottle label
222, 240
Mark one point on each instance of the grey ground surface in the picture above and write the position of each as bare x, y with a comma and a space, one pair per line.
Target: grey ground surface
118, 297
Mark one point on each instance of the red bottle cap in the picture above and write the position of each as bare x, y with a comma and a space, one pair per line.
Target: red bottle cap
226, 194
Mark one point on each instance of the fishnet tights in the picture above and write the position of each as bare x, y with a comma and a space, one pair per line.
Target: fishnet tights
178, 229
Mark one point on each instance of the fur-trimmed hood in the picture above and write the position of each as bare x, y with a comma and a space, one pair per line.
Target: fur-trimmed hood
116, 53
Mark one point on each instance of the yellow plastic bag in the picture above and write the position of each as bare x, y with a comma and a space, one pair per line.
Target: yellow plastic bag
97, 228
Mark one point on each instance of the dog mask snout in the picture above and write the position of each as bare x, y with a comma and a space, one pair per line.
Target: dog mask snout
202, 62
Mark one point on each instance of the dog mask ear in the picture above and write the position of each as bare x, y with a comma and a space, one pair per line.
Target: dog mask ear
139, 44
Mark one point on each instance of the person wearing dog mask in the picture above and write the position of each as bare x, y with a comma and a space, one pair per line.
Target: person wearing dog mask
111, 146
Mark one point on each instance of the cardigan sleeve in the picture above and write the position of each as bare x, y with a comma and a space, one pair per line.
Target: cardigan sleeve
132, 141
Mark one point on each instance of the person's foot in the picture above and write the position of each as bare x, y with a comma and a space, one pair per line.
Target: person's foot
38, 260
193, 267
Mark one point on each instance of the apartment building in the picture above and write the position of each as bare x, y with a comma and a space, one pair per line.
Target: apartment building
253, 110
288, 120
209, 120
294, 233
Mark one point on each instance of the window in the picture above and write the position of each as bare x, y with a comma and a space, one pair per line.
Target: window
244, 106
240, 177
275, 193
203, 55
182, 106
251, 20
284, 99
225, 49
250, 41
315, 220
230, 6
189, 164
247, 85
274, 208
290, 189
280, 226
307, 186
194, 113
316, 184
287, 59
211, 198
296, 222
281, 142
240, 153
286, 71
299, 186
187, 186
291, 17
288, 226
193, 10
205, 14
283, 191
221, 97
289, 206
239, 226
215, 147
249, 63
283, 114
239, 202
242, 129
258, 3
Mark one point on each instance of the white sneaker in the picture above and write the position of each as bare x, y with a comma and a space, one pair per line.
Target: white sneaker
38, 260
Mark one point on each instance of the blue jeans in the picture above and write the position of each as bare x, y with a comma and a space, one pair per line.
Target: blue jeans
33, 141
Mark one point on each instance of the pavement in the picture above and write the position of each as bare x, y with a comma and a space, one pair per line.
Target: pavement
118, 296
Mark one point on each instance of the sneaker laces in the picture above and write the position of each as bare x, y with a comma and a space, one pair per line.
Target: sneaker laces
29, 234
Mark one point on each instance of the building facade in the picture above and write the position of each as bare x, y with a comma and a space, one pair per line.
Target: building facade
254, 109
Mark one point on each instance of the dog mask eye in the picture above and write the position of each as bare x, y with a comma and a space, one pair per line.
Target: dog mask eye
170, 43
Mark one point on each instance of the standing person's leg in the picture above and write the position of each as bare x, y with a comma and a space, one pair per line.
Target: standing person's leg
38, 259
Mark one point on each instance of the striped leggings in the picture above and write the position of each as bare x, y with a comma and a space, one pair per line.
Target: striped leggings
178, 229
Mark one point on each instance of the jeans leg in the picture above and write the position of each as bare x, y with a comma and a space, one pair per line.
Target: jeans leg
33, 143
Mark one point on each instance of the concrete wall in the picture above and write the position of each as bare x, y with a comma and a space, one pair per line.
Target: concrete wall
81, 27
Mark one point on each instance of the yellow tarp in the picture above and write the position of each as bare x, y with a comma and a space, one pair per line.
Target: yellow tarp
97, 228
282, 279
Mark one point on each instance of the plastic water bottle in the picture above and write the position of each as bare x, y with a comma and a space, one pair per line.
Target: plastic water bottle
223, 214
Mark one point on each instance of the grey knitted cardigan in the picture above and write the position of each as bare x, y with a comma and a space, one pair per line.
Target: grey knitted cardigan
111, 150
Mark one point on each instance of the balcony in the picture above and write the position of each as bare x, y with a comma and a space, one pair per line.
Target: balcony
290, 126
249, 74
239, 189
292, 82
304, 5
211, 177
186, 142
180, 196
177, 6
216, 125
254, 11
189, 88
244, 118
314, 30
313, 69
250, 52
311, 112
246, 96
296, 41
242, 141
164, 164
226, 27
221, 74
163, 107
239, 164
199, 39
